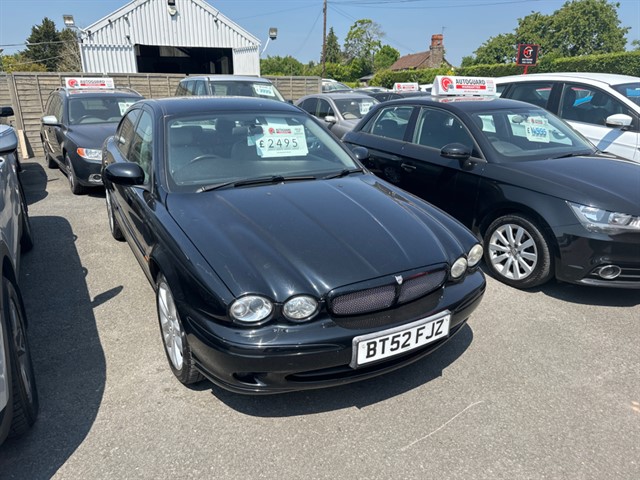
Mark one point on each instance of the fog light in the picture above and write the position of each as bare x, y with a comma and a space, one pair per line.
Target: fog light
609, 272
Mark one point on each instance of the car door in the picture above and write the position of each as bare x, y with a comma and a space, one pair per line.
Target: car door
53, 134
384, 136
136, 200
449, 183
586, 108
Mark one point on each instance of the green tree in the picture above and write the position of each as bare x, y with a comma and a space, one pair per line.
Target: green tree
19, 63
281, 66
333, 54
44, 45
579, 27
69, 60
498, 49
363, 42
385, 57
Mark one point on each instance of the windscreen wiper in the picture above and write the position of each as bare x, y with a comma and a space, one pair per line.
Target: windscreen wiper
343, 173
255, 181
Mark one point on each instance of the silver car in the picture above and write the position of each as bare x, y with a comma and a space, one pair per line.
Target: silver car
340, 110
18, 393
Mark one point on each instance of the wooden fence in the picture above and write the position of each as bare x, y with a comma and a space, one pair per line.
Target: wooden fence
27, 93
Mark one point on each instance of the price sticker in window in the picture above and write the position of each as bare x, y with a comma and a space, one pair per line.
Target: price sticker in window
123, 106
264, 90
281, 141
536, 130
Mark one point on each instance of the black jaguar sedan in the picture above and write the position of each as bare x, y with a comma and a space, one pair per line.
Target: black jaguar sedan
280, 263
546, 202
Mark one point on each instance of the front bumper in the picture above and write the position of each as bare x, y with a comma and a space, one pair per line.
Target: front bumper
282, 358
88, 172
583, 253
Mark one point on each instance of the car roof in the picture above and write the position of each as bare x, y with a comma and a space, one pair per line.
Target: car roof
468, 104
202, 104
226, 78
338, 94
98, 92
605, 78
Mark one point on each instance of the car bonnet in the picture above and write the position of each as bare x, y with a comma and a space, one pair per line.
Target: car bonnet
311, 237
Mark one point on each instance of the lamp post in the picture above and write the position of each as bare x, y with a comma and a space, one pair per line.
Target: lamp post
70, 23
273, 34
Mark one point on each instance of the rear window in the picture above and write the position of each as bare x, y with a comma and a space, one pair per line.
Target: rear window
245, 89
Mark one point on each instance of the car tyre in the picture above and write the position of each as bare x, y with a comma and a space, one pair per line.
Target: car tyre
114, 226
174, 337
23, 390
517, 252
75, 187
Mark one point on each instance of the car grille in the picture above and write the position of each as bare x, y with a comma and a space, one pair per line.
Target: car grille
386, 296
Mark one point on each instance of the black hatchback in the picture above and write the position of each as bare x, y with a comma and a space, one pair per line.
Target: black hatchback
546, 202
279, 262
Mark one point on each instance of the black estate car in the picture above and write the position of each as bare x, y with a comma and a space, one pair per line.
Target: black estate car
279, 262
546, 202
74, 127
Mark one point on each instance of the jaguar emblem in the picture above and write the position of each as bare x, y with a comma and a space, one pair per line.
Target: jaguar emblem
399, 279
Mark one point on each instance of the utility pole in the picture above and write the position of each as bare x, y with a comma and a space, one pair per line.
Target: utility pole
324, 40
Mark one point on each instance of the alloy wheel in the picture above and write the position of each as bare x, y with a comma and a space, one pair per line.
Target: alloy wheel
172, 333
513, 252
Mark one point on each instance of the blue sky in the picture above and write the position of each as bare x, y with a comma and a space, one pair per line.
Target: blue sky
408, 24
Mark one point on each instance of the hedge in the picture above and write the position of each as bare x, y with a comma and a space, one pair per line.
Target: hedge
626, 63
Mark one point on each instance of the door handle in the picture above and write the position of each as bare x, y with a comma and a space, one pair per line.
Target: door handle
407, 167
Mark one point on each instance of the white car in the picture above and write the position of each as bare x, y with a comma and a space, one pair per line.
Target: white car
603, 107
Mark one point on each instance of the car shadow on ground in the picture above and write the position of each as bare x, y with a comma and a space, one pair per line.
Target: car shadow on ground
359, 394
68, 357
34, 180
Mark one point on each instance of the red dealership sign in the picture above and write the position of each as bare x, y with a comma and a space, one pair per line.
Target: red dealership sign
527, 54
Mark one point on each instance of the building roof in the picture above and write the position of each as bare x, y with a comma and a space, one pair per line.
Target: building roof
412, 61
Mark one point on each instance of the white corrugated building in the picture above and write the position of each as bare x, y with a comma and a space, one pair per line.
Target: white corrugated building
168, 36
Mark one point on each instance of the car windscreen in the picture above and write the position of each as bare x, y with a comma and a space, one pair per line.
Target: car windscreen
629, 90
102, 109
241, 88
221, 147
529, 134
354, 108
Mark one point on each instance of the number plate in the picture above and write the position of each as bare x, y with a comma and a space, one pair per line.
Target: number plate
388, 343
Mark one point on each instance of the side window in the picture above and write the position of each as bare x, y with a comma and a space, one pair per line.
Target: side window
392, 122
310, 105
56, 107
589, 105
536, 93
180, 91
125, 132
437, 128
190, 86
142, 143
201, 88
324, 109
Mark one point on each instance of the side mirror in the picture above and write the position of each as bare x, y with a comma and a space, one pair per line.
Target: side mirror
6, 111
618, 120
330, 119
126, 174
8, 139
360, 153
457, 151
50, 120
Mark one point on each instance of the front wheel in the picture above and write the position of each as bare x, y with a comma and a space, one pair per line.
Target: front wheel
114, 226
174, 337
23, 385
517, 252
75, 187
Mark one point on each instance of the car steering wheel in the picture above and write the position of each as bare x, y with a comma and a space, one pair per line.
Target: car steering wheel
206, 156
88, 117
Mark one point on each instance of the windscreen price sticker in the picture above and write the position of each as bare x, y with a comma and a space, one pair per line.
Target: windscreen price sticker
281, 141
265, 90
123, 106
537, 130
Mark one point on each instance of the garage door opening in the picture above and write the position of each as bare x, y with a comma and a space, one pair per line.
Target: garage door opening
164, 59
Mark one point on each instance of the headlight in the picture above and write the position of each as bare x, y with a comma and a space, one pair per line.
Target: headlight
299, 309
90, 153
475, 255
598, 220
458, 268
251, 309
